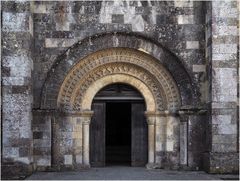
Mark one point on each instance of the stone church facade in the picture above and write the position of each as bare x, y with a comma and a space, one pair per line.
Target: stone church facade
182, 57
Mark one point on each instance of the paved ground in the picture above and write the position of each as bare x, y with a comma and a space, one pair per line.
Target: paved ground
128, 173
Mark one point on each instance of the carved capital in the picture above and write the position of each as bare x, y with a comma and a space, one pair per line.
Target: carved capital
151, 120
151, 117
86, 121
84, 116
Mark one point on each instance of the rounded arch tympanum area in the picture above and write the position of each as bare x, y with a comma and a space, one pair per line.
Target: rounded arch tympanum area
74, 81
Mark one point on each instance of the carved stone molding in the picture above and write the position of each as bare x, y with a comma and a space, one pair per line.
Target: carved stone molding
119, 61
96, 86
129, 44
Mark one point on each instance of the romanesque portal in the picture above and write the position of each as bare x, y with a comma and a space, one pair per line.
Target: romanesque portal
79, 75
117, 66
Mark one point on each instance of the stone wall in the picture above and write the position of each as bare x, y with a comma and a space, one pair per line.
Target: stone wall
42, 139
203, 36
17, 65
178, 26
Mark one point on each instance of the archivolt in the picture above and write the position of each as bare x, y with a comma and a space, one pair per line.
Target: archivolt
118, 78
122, 61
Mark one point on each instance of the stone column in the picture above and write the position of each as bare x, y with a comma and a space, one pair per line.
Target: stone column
86, 124
151, 139
86, 119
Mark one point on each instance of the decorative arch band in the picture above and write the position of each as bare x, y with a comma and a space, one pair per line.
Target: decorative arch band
121, 65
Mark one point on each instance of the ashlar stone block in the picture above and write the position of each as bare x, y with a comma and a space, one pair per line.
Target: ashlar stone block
68, 159
79, 159
225, 30
227, 129
221, 119
44, 161
192, 45
15, 22
199, 68
185, 19
10, 152
224, 48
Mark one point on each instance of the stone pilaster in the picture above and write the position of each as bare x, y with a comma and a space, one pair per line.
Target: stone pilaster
16, 69
163, 139
222, 55
192, 127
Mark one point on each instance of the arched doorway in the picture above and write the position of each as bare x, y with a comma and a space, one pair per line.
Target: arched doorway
118, 130
77, 94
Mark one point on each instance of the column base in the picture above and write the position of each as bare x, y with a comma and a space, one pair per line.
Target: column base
86, 166
153, 166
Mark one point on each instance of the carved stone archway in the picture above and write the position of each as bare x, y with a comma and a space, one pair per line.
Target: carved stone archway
118, 78
171, 84
121, 65
68, 60
119, 61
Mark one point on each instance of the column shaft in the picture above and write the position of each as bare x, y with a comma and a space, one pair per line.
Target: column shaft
183, 143
86, 143
151, 141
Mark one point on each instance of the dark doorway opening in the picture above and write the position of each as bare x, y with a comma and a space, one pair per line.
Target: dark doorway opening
118, 133
118, 129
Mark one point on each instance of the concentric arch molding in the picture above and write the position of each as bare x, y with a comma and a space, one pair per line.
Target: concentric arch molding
143, 46
135, 65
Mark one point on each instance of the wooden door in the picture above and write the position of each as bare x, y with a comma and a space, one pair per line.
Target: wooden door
139, 135
97, 135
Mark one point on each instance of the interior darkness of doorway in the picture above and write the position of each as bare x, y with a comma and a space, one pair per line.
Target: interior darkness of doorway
118, 133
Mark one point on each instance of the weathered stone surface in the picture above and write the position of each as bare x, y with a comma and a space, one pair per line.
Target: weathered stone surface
185, 19
225, 30
222, 57
17, 101
68, 159
225, 85
192, 45
196, 42
221, 162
